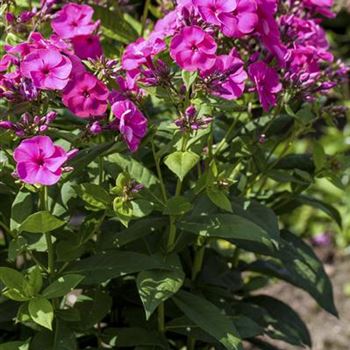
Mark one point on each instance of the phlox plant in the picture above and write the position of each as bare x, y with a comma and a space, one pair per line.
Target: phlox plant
146, 171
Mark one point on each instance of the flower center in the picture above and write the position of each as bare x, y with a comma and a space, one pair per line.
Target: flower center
46, 70
86, 93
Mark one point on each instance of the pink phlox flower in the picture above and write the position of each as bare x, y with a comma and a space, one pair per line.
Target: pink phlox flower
47, 68
235, 17
299, 31
7, 61
142, 51
193, 49
86, 96
267, 84
227, 77
323, 7
268, 29
130, 122
87, 46
73, 20
39, 161
167, 25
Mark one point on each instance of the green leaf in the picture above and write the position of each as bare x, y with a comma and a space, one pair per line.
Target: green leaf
131, 337
15, 345
189, 78
41, 222
325, 207
93, 309
280, 321
141, 208
123, 210
296, 263
180, 163
106, 265
22, 207
229, 227
319, 156
86, 156
41, 311
136, 170
113, 239
208, 317
64, 338
16, 247
114, 25
156, 286
35, 280
219, 198
95, 195
177, 206
62, 286
17, 287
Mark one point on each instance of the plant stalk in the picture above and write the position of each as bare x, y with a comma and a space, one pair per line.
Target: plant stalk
144, 16
48, 238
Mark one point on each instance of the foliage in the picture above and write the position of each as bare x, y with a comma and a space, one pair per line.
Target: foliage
172, 192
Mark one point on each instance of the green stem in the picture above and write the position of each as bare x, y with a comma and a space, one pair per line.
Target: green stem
50, 251
235, 258
227, 135
198, 262
159, 173
101, 171
161, 318
144, 16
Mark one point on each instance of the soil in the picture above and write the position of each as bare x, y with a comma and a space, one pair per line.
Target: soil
328, 332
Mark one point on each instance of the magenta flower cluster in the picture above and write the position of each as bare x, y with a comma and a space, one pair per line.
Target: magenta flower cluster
240, 46
234, 47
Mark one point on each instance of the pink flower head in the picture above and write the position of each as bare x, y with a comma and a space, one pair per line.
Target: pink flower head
227, 77
235, 17
87, 46
130, 122
47, 68
142, 52
192, 48
268, 29
305, 32
266, 82
39, 161
167, 25
74, 20
86, 96
322, 7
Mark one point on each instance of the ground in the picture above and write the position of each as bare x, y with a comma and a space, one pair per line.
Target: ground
328, 332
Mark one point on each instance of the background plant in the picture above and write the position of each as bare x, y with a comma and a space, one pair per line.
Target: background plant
149, 184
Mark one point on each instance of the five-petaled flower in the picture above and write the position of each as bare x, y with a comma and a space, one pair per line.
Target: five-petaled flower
48, 69
192, 48
39, 161
86, 96
130, 122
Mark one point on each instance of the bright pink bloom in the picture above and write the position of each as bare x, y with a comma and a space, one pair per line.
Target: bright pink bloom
322, 7
39, 161
227, 77
235, 17
268, 29
47, 68
192, 48
167, 25
86, 96
303, 32
74, 20
266, 82
142, 52
87, 46
130, 122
